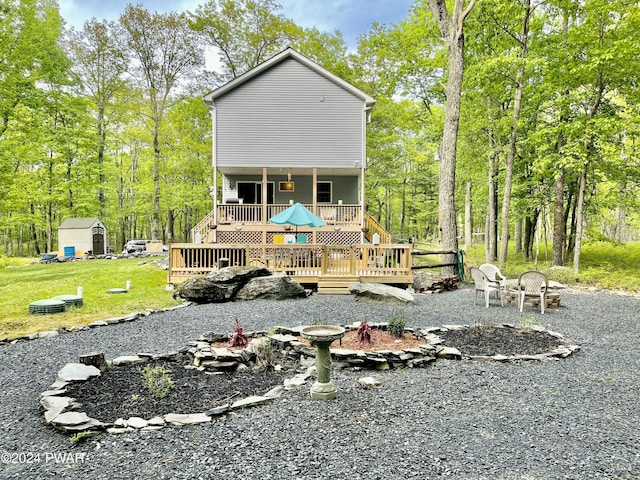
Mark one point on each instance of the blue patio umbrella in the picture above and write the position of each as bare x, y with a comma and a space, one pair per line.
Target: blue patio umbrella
298, 215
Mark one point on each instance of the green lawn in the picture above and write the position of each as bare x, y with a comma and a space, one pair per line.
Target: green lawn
26, 283
602, 265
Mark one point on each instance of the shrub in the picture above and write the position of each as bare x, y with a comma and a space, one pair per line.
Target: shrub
266, 354
481, 327
364, 332
157, 380
238, 338
396, 323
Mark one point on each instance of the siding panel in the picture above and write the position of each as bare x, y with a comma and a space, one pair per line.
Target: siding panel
289, 116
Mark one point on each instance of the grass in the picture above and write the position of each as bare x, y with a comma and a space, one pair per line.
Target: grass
603, 265
25, 280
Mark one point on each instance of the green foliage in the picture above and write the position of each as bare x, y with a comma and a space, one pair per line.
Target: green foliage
397, 323
157, 380
602, 265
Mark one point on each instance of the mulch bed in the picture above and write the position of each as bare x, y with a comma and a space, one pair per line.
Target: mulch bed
120, 391
499, 341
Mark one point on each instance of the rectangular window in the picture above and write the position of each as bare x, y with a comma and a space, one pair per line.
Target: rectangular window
324, 192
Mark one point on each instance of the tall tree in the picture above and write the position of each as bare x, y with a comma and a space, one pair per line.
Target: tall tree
165, 51
100, 63
452, 30
243, 33
523, 46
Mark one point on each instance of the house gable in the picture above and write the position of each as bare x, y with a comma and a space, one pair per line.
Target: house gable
289, 112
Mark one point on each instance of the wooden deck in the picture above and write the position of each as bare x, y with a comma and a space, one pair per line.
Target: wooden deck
327, 268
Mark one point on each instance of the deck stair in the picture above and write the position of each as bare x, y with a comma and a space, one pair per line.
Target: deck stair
336, 284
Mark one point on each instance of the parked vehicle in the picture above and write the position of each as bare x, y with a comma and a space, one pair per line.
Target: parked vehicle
133, 246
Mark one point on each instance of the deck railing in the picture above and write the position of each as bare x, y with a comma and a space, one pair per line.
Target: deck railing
391, 260
245, 214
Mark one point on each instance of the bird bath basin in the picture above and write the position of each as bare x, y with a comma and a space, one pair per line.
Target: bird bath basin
322, 336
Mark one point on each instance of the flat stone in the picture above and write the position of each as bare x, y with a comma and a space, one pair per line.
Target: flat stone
58, 384
48, 334
90, 425
283, 338
51, 393
186, 418
137, 422
290, 383
224, 354
98, 323
216, 365
343, 352
125, 359
449, 353
380, 293
77, 372
54, 406
369, 382
217, 411
250, 402
71, 418
275, 392
156, 421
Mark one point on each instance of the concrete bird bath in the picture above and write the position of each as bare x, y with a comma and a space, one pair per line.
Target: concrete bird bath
322, 336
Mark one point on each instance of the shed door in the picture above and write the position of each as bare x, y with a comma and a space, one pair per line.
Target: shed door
98, 240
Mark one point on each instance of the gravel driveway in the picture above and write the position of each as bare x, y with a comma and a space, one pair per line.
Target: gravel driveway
575, 418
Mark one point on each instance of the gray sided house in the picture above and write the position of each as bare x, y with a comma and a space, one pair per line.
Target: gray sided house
287, 131
82, 235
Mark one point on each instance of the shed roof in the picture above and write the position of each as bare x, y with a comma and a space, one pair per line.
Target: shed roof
285, 54
79, 222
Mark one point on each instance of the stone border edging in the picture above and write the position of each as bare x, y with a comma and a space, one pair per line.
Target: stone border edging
97, 323
60, 410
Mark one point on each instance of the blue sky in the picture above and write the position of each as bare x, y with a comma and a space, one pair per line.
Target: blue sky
351, 17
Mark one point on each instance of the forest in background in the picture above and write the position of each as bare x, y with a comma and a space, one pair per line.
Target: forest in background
108, 121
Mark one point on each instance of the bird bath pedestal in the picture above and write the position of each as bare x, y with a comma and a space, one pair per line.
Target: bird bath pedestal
322, 336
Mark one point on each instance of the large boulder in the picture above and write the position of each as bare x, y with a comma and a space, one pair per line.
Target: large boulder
238, 283
380, 293
277, 286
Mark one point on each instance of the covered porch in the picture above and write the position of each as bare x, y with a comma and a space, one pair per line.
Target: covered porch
327, 268
247, 197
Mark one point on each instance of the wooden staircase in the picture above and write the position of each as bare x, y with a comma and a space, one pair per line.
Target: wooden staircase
336, 284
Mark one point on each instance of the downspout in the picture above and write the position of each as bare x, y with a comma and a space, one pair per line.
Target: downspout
214, 164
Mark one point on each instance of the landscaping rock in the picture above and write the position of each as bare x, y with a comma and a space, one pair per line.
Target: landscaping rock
239, 283
77, 372
380, 293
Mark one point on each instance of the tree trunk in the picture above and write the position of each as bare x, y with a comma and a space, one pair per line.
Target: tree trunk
580, 219
170, 225
511, 155
451, 29
468, 216
518, 235
558, 221
491, 250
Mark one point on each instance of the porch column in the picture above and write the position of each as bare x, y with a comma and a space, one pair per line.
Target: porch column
314, 193
214, 164
264, 205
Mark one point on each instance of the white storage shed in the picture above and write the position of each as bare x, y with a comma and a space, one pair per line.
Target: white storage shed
81, 236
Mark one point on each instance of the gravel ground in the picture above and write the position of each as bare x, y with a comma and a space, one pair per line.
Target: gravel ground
575, 418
